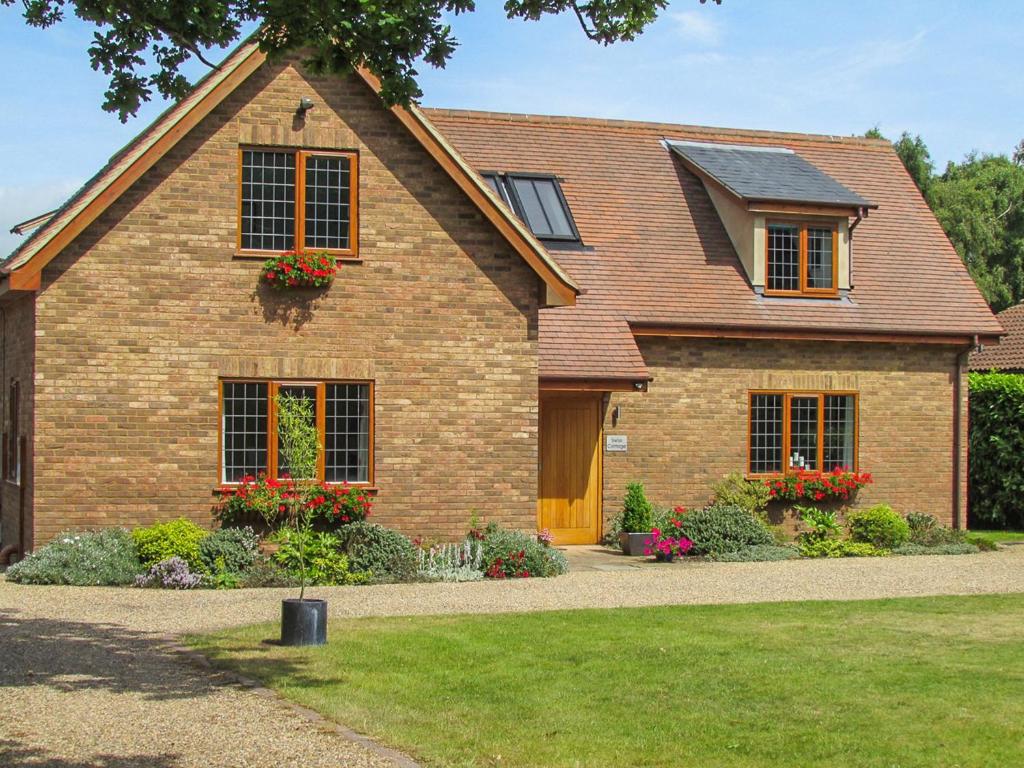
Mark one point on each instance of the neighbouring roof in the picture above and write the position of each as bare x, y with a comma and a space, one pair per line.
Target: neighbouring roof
766, 173
1008, 354
657, 254
24, 227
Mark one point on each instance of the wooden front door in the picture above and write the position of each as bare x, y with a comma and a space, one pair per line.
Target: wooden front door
569, 493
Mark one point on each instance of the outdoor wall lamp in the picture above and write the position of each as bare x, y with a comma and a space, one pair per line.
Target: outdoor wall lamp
305, 104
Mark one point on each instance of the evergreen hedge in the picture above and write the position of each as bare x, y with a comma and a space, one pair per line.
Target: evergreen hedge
996, 470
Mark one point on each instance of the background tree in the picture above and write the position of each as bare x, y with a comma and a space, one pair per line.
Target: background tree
980, 204
142, 45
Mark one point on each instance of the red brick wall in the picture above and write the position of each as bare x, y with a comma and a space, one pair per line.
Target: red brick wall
690, 429
143, 313
16, 364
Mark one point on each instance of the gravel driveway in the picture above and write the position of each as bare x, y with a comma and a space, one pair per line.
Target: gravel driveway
90, 677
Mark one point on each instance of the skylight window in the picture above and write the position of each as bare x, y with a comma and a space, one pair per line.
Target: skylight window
537, 200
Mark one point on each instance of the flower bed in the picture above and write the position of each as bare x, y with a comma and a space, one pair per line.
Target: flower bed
300, 270
838, 485
265, 498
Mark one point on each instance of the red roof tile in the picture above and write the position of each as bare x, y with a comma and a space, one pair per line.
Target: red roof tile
1008, 354
658, 254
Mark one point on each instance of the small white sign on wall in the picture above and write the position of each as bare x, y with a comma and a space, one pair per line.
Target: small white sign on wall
615, 443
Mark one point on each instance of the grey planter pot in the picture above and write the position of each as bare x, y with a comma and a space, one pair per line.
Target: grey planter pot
632, 544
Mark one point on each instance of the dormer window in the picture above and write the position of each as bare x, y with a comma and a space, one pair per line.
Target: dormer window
802, 259
537, 199
788, 220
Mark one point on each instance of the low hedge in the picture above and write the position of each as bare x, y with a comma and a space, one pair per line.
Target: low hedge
106, 558
720, 528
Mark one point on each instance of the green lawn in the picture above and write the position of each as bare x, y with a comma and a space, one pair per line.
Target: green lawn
936, 682
999, 535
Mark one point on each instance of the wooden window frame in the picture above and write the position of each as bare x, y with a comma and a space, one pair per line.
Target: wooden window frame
803, 226
787, 397
345, 254
273, 386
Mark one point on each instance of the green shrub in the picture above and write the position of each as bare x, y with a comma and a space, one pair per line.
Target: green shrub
996, 445
757, 553
983, 543
636, 510
750, 495
387, 555
267, 573
823, 524
721, 528
926, 531
840, 548
961, 548
229, 550
511, 554
178, 538
326, 564
880, 525
106, 558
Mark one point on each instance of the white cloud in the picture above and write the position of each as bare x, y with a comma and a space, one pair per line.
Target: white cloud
697, 27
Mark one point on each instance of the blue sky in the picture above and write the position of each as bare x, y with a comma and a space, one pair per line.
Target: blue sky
947, 70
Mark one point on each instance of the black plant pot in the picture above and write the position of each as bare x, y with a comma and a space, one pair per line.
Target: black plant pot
303, 622
665, 557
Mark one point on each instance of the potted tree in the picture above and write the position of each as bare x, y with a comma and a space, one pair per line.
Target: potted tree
303, 622
637, 519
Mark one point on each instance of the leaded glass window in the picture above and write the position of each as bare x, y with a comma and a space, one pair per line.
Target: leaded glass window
298, 200
347, 433
819, 259
766, 433
802, 259
783, 257
341, 411
802, 431
327, 195
268, 200
243, 429
840, 429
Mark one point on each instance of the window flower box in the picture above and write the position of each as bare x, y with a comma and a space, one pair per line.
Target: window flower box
838, 485
293, 270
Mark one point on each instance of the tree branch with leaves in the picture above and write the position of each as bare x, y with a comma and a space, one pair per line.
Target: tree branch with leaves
141, 46
300, 448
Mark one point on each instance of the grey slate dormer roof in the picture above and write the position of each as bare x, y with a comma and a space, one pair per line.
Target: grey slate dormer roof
766, 173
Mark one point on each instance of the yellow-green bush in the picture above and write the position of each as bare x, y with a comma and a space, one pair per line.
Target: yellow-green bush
178, 538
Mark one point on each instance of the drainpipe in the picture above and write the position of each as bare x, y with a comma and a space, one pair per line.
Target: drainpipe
861, 215
958, 436
6, 551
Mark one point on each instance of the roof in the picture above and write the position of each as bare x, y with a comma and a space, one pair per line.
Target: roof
658, 255
23, 266
1008, 354
121, 162
766, 173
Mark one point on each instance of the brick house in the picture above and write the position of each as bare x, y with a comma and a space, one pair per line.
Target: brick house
530, 312
1008, 355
